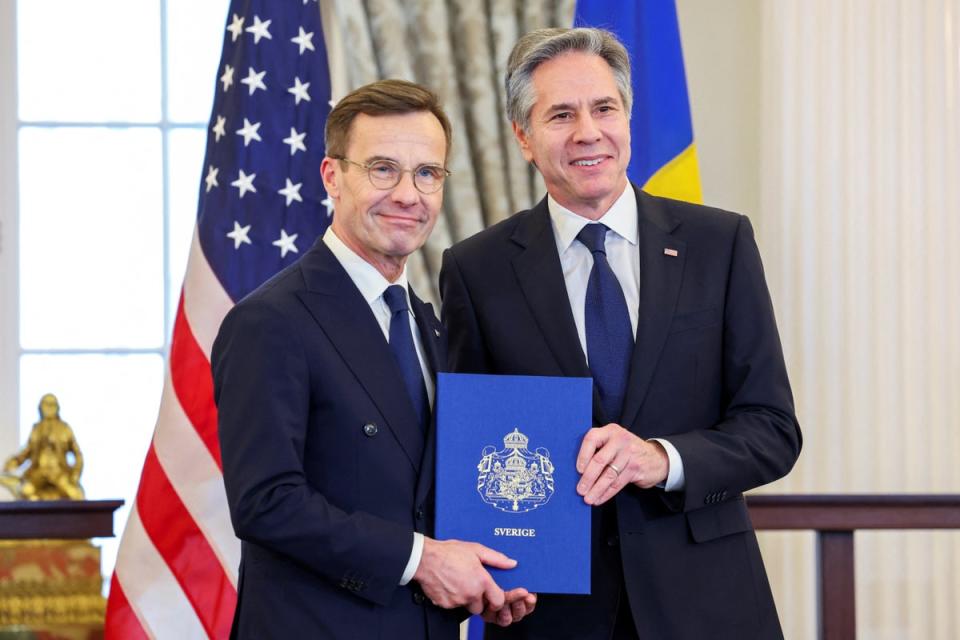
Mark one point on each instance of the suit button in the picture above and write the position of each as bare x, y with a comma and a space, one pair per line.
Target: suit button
613, 541
420, 513
418, 597
370, 429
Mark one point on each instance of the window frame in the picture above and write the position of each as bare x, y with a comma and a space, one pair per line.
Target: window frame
9, 235
11, 350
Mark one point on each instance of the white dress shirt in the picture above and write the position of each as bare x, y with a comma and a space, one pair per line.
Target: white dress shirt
623, 255
372, 284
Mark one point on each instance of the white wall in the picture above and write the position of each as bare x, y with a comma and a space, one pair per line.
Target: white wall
721, 50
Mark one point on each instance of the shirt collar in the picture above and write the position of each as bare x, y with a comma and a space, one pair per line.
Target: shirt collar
620, 218
369, 281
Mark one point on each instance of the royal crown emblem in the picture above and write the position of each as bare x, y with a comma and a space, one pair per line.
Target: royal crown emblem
514, 479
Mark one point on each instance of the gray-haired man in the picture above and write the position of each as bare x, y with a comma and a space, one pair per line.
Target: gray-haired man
664, 304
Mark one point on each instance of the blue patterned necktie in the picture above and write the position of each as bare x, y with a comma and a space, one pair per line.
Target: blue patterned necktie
404, 351
607, 324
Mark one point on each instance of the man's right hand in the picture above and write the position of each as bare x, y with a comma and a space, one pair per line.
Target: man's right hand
452, 574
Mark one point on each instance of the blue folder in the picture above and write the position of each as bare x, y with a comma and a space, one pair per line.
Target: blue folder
506, 474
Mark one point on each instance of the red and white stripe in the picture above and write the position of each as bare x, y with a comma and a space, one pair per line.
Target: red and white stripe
176, 571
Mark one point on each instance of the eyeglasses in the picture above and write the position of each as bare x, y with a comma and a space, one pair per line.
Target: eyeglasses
386, 174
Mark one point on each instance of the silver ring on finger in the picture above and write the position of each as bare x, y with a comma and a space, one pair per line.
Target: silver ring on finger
615, 468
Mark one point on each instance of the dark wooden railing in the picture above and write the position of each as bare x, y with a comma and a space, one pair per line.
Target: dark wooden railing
835, 518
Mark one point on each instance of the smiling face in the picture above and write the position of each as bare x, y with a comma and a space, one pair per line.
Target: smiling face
384, 226
579, 133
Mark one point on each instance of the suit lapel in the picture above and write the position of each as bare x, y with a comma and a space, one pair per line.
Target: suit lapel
540, 276
660, 279
432, 334
340, 310
433, 337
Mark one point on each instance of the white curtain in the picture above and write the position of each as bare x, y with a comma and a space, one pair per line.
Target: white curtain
860, 231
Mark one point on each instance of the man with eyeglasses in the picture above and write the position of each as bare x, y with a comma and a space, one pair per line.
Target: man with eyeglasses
324, 380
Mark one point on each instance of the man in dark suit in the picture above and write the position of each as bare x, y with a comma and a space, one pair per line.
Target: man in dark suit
324, 382
664, 304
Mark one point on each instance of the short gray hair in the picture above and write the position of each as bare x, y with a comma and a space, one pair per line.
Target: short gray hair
541, 45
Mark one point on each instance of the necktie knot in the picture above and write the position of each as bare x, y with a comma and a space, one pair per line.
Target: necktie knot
396, 298
593, 237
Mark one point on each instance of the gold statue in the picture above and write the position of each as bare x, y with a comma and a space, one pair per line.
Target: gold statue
55, 461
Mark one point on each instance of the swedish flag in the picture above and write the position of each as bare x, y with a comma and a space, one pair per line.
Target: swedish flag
663, 152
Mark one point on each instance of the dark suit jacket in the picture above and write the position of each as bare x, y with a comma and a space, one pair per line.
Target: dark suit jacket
707, 374
326, 469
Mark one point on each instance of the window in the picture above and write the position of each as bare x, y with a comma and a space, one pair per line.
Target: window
109, 124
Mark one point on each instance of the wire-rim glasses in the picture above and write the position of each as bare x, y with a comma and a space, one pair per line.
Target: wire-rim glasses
386, 174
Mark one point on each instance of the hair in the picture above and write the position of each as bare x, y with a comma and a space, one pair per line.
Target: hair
538, 46
381, 98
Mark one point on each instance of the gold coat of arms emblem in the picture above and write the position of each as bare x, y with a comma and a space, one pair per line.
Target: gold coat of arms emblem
515, 479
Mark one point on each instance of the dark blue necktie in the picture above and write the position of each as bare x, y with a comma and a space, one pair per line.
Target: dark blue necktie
607, 324
401, 343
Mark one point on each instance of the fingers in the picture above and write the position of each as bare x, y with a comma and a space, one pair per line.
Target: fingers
491, 598
502, 617
600, 494
493, 558
612, 457
474, 606
613, 478
593, 440
597, 477
518, 603
601, 448
451, 574
515, 595
493, 594
520, 609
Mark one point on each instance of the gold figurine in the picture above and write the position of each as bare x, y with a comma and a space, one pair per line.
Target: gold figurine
52, 473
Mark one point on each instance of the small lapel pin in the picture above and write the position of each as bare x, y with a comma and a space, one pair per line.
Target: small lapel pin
670, 252
437, 331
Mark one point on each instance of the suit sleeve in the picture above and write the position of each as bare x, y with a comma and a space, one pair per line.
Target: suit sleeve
467, 352
758, 438
262, 390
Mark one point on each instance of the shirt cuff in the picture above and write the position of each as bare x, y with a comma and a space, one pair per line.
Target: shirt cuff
415, 554
675, 480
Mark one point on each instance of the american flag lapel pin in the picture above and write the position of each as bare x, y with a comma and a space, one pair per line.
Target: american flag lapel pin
670, 252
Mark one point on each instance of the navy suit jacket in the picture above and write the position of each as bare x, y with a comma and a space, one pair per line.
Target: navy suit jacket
707, 374
327, 471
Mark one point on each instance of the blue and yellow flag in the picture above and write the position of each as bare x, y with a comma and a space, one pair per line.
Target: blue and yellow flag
663, 153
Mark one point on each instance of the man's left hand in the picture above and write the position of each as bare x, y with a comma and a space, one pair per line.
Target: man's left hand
612, 457
518, 604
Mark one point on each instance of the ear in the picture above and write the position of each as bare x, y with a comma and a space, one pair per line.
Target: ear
523, 140
330, 172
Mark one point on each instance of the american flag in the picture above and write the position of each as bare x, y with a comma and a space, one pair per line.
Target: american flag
261, 205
